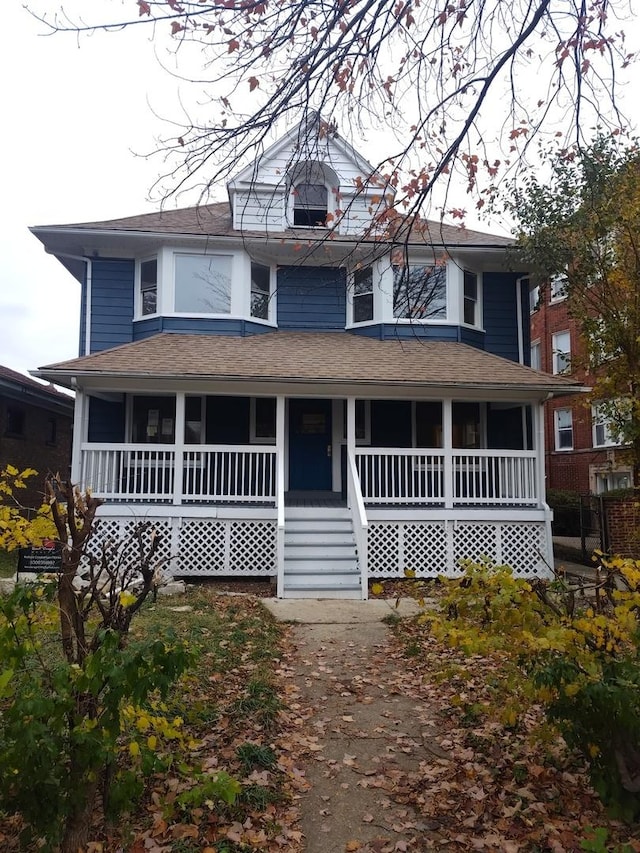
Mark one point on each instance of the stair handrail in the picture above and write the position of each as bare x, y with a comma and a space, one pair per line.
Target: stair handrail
355, 502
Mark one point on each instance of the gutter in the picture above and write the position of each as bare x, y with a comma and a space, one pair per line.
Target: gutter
298, 380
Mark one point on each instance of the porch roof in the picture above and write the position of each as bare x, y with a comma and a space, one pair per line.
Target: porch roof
337, 358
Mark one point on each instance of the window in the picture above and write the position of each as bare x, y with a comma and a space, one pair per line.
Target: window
470, 310
466, 425
558, 288
420, 292
536, 362
52, 431
564, 429
260, 291
310, 205
428, 424
608, 420
363, 421
609, 481
561, 346
149, 287
362, 298
534, 297
262, 413
193, 420
15, 422
153, 420
203, 284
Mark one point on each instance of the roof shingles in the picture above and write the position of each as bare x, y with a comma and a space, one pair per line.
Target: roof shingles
312, 357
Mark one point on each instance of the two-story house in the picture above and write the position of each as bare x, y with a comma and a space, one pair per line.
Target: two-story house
288, 390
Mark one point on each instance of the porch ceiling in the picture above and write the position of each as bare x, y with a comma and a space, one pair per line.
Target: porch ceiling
317, 359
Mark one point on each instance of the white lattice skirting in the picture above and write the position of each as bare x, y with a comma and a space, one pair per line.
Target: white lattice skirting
437, 548
246, 547
204, 547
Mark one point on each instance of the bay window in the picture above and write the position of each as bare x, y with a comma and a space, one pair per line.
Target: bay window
203, 284
149, 287
362, 295
470, 299
260, 291
420, 292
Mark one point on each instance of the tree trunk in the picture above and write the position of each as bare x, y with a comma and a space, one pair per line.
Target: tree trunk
78, 823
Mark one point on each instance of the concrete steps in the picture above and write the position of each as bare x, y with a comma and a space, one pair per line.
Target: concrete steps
320, 557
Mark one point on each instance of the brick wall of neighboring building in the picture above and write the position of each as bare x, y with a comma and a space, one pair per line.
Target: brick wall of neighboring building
35, 430
623, 525
576, 469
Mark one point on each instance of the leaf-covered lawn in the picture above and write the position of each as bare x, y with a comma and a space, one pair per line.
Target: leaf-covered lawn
509, 782
228, 715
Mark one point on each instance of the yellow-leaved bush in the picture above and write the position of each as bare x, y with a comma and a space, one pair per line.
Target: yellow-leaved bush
578, 653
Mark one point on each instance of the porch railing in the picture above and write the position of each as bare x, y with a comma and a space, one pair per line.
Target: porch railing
216, 473
248, 474
359, 519
447, 478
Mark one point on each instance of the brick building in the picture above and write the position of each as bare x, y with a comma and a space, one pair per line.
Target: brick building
35, 429
581, 455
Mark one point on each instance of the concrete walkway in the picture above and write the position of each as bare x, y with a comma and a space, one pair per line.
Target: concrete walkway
335, 611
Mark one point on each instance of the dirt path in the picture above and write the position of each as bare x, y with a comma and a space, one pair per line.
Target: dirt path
372, 739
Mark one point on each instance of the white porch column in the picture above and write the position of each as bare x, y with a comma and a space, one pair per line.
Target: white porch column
280, 454
178, 462
538, 432
80, 432
351, 432
447, 447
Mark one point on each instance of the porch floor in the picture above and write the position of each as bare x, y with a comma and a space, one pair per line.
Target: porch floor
314, 498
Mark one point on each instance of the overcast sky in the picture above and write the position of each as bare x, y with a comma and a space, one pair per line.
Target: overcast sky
74, 119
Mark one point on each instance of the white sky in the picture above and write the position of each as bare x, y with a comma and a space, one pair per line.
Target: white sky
73, 119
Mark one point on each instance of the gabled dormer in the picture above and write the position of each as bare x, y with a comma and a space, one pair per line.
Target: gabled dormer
310, 178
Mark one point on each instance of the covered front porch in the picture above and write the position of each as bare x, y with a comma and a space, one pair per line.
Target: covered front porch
322, 492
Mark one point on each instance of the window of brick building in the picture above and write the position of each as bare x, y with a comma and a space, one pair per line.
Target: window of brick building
564, 429
561, 347
15, 422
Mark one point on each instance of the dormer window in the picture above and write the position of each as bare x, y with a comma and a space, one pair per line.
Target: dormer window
310, 205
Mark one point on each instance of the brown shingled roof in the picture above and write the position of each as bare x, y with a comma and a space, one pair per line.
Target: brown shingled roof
214, 220
12, 377
313, 357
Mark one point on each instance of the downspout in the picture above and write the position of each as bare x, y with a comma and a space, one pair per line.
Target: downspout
87, 306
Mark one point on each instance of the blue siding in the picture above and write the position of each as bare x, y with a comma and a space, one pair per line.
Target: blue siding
111, 303
201, 326
472, 337
409, 332
313, 298
500, 314
106, 420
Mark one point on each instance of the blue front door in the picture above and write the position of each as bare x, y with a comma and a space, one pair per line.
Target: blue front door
310, 445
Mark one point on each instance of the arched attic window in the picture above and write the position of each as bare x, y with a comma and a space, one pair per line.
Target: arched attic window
312, 194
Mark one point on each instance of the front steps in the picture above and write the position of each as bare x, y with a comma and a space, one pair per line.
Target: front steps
320, 558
